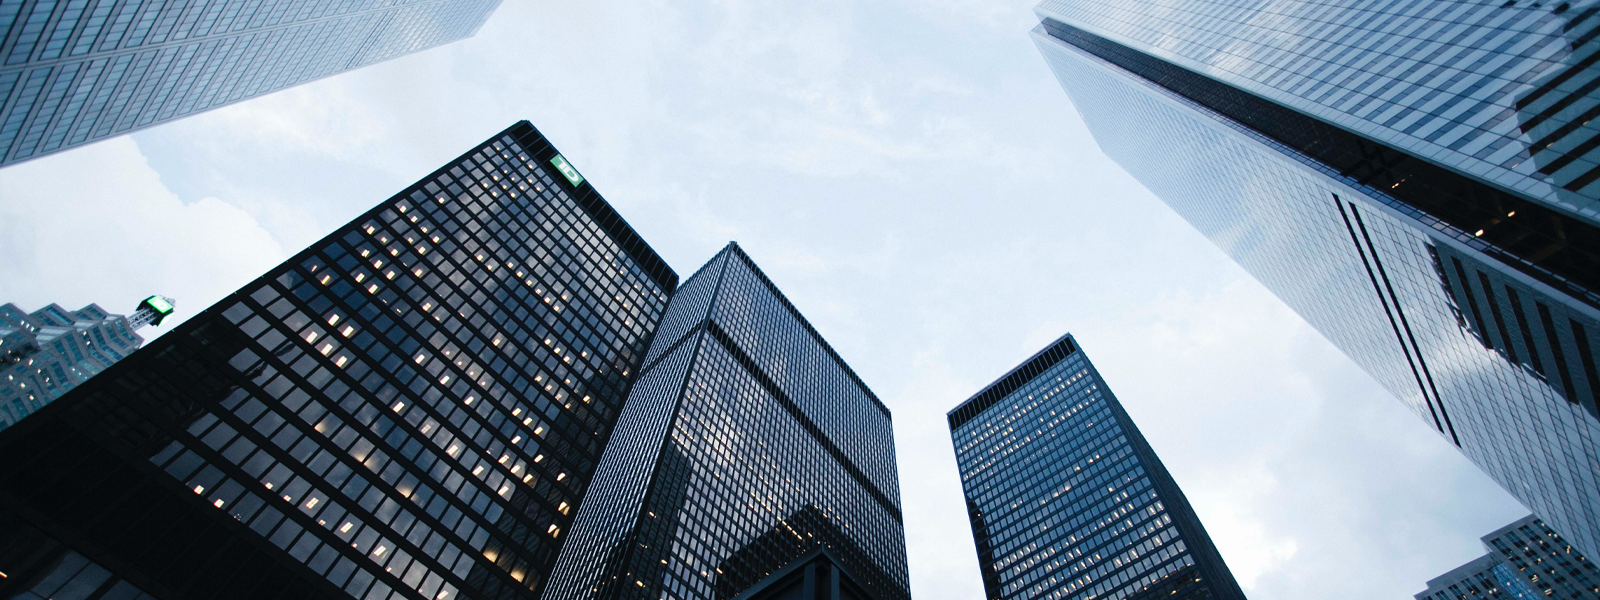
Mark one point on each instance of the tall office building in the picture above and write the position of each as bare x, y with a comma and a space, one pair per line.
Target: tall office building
746, 446
1525, 560
74, 72
45, 353
411, 408
1416, 179
1066, 498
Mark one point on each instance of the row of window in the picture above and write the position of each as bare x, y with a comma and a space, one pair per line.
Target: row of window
447, 436
168, 81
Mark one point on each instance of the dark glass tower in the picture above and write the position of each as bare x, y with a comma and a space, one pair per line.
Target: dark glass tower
74, 72
1416, 179
1067, 499
745, 445
410, 408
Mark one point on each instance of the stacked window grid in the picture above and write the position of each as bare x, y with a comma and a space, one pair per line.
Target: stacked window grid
1401, 310
422, 395
743, 476
1064, 502
1536, 556
1500, 91
75, 71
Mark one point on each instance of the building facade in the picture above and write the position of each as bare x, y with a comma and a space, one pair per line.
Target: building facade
1066, 498
1415, 179
1526, 559
45, 353
410, 408
73, 72
1482, 577
746, 444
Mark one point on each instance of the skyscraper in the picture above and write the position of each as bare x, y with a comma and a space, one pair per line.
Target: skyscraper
1526, 560
74, 72
410, 408
52, 350
1416, 179
746, 444
1066, 498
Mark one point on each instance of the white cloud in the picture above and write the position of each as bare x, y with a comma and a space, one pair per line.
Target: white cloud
1250, 546
97, 225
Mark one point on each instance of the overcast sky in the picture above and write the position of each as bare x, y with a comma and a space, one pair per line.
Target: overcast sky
908, 173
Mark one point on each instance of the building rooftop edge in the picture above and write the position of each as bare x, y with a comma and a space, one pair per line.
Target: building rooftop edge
603, 213
739, 252
1052, 353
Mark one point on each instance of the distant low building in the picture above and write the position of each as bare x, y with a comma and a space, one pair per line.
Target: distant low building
1526, 559
51, 350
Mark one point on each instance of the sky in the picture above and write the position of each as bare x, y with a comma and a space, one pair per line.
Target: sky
908, 172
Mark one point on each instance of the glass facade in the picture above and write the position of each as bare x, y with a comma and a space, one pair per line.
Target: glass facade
746, 444
1501, 91
1066, 498
77, 71
1470, 299
1526, 559
411, 408
1480, 578
45, 353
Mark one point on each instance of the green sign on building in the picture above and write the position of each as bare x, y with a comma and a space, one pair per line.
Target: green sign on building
561, 164
161, 306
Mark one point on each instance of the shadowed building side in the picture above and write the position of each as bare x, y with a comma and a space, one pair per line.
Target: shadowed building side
746, 444
411, 408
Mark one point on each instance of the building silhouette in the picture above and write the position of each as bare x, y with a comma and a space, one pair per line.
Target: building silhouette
410, 408
1066, 498
1415, 179
73, 72
746, 446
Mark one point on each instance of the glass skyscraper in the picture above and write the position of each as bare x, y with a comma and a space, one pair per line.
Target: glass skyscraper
46, 353
1416, 179
1526, 560
1066, 498
411, 408
746, 445
77, 71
